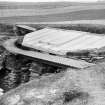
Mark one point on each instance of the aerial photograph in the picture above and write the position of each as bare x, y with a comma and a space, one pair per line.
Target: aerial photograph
52, 52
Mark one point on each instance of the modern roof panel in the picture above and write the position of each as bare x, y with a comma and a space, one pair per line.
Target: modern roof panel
60, 41
80, 43
36, 34
99, 43
74, 43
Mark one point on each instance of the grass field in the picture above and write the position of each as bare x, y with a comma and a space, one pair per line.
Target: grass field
47, 12
76, 16
42, 5
70, 16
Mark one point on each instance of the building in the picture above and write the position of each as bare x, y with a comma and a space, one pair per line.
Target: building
60, 42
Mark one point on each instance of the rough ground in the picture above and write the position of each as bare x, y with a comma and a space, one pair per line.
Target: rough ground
17, 69
74, 87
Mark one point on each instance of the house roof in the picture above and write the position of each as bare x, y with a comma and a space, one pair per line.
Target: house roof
59, 41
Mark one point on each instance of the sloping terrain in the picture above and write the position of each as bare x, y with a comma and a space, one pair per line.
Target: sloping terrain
42, 5
73, 87
63, 13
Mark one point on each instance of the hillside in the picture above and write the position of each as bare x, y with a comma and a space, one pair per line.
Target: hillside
47, 12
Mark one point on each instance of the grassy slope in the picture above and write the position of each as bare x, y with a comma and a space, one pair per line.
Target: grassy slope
47, 17
35, 12
69, 16
43, 5
17, 5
